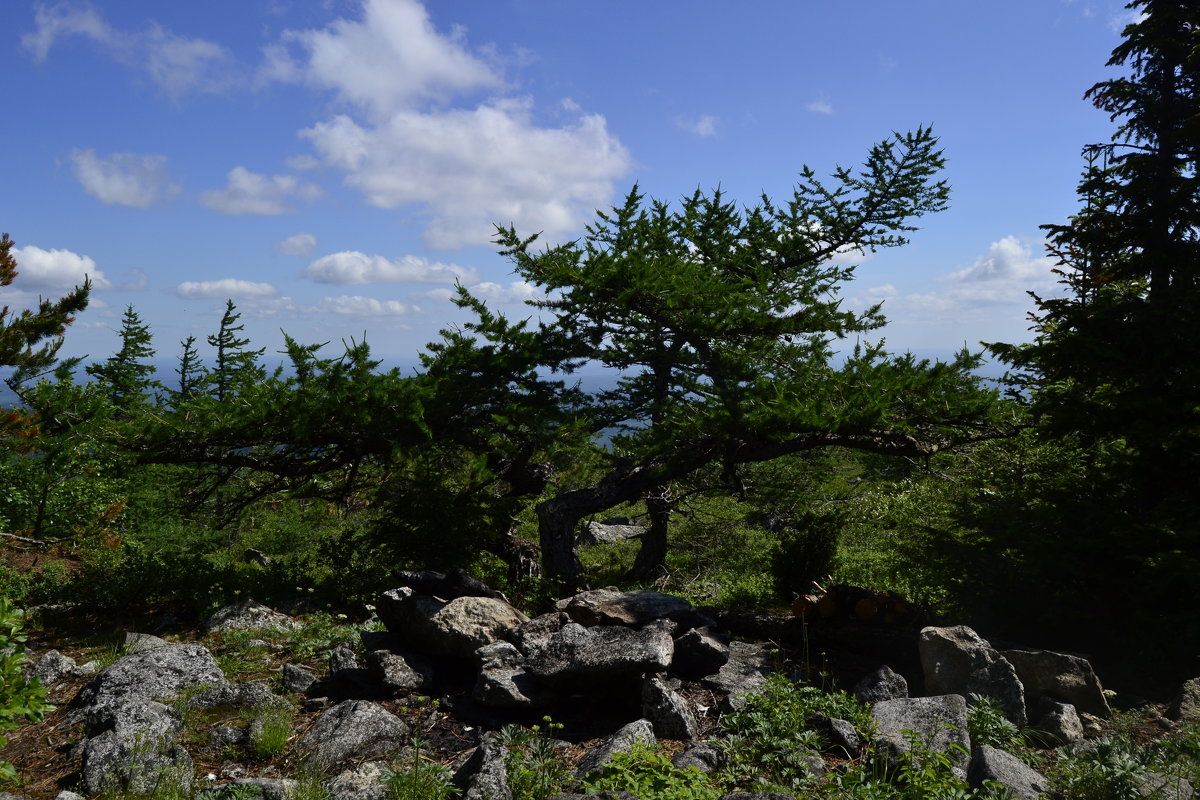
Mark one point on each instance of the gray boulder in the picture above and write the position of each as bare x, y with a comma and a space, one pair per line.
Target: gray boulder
620, 742
271, 788
159, 674
743, 674
456, 628
957, 661
1161, 786
131, 746
939, 723
137, 642
843, 739
484, 776
533, 636
1061, 677
992, 764
1185, 707
363, 782
669, 713
702, 755
53, 667
591, 533
249, 614
603, 653
632, 609
882, 684
397, 672
1061, 722
353, 729
503, 681
698, 652
251, 694
297, 678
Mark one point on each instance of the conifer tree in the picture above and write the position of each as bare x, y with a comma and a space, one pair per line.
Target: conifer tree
191, 374
1113, 363
125, 376
235, 365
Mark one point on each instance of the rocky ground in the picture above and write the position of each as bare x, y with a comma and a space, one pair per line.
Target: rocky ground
262, 697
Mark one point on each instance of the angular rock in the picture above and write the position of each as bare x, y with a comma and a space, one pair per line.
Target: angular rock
252, 694
352, 729
53, 667
65, 794
398, 673
603, 653
1185, 707
843, 739
159, 674
364, 782
592, 533
939, 722
698, 652
297, 679
669, 713
249, 614
533, 636
702, 755
138, 642
271, 788
744, 673
1059, 676
503, 681
1061, 722
631, 609
1160, 786
456, 628
131, 745
620, 742
882, 684
484, 776
957, 661
992, 764
342, 658
448, 586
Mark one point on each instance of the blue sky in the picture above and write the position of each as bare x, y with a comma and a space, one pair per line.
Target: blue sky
333, 167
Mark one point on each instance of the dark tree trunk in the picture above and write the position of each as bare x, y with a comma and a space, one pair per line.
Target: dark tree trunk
651, 560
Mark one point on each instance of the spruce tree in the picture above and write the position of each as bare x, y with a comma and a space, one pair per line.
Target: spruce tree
1113, 362
235, 365
125, 376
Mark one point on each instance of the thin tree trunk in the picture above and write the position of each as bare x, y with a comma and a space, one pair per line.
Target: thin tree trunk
651, 559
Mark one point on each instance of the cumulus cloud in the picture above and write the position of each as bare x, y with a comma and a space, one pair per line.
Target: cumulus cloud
302, 245
387, 60
515, 292
475, 168
821, 106
225, 287
178, 64
126, 179
1006, 260
401, 143
352, 267
55, 270
358, 306
705, 126
248, 192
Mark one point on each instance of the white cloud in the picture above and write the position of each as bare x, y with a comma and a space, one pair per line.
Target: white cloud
515, 292
248, 192
301, 245
821, 106
358, 306
61, 20
473, 169
1118, 21
387, 60
225, 287
352, 267
126, 179
1007, 260
176, 63
705, 126
55, 270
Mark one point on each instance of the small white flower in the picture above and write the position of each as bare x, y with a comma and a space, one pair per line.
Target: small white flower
210, 776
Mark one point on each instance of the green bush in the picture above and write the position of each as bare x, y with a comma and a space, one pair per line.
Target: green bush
21, 697
808, 547
649, 775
